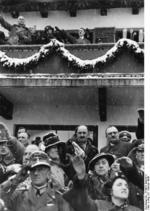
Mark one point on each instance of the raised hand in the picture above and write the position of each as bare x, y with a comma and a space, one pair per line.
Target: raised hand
57, 29
14, 168
125, 162
79, 167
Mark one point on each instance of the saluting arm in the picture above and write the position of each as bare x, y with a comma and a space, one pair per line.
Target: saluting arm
5, 24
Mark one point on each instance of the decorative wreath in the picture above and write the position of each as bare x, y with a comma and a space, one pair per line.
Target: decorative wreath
56, 47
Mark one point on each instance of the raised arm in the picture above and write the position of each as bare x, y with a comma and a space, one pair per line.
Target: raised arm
5, 24
78, 196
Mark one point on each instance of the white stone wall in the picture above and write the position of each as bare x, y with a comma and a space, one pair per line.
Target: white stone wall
61, 110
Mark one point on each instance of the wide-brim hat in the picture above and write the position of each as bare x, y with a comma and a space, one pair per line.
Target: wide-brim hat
110, 158
51, 140
134, 150
58, 143
39, 158
37, 140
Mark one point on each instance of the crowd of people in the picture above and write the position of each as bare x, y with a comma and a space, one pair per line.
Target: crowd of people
47, 174
20, 34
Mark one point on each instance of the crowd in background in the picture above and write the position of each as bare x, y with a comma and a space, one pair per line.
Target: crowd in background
47, 174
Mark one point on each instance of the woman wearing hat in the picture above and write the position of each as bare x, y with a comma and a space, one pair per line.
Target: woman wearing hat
56, 150
100, 173
116, 189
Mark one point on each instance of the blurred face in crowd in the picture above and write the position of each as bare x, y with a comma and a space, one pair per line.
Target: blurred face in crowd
4, 150
125, 139
112, 135
120, 189
21, 130
101, 167
21, 21
50, 31
23, 138
53, 154
140, 156
28, 151
81, 32
82, 134
40, 175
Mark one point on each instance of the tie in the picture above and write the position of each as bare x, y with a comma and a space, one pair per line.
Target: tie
38, 194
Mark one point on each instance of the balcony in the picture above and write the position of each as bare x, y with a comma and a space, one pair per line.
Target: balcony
124, 70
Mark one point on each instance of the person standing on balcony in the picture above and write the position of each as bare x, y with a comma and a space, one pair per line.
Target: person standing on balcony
18, 33
82, 33
82, 39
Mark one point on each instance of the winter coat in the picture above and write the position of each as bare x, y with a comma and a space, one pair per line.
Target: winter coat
136, 196
108, 206
26, 200
121, 148
95, 185
84, 202
90, 150
58, 176
15, 156
18, 34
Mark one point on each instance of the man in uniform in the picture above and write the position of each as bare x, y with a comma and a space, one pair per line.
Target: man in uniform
40, 195
18, 33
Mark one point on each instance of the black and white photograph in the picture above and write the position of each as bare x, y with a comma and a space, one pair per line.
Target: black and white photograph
72, 105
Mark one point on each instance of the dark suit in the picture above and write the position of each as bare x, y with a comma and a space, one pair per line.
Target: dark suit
120, 149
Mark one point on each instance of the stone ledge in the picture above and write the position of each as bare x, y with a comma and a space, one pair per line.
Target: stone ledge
100, 46
72, 80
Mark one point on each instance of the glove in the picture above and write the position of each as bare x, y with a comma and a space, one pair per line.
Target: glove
15, 168
78, 150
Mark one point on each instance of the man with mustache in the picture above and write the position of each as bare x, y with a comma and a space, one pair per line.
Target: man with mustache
40, 195
82, 142
115, 146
